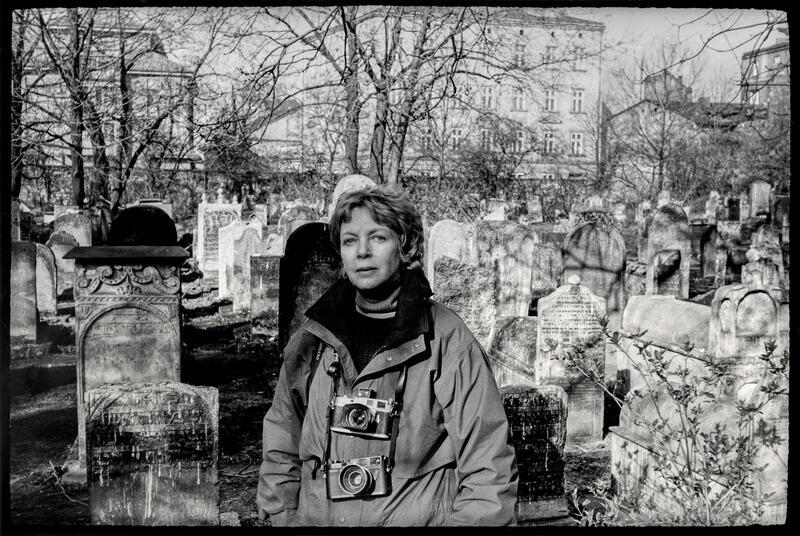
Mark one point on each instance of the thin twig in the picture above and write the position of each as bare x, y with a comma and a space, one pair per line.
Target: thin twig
58, 483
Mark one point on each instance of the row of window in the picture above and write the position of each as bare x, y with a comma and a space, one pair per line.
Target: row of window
519, 102
763, 63
576, 57
518, 144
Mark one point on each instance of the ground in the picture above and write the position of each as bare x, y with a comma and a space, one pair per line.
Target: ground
220, 353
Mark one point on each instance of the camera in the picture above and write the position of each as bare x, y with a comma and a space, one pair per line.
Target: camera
363, 415
358, 477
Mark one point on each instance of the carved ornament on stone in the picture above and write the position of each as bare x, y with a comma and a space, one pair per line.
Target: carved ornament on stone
128, 280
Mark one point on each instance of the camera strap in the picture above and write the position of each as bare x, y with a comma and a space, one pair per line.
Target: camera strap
398, 407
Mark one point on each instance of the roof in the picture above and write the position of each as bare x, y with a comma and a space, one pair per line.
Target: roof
780, 45
544, 17
717, 114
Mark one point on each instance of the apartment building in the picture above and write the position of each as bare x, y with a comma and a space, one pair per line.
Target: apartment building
766, 78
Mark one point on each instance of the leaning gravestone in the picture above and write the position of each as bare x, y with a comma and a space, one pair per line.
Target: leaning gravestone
23, 292
508, 248
668, 253
468, 290
77, 224
308, 268
348, 183
449, 238
60, 244
570, 317
152, 452
227, 235
246, 246
537, 417
512, 350
595, 252
45, 280
264, 293
210, 217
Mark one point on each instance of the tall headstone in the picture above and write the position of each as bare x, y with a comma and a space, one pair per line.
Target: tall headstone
60, 243
264, 293
508, 247
348, 183
546, 270
246, 246
77, 224
23, 292
512, 350
16, 233
210, 217
227, 235
469, 290
760, 192
449, 238
595, 252
765, 258
534, 206
152, 454
663, 198
569, 317
537, 416
45, 280
308, 268
668, 252
127, 317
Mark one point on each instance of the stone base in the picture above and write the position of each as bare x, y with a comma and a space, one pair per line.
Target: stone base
541, 510
74, 476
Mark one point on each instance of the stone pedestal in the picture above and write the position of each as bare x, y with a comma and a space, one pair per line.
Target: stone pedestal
127, 318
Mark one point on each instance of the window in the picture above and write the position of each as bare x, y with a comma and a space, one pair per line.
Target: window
518, 100
427, 142
456, 137
576, 139
487, 142
487, 98
519, 55
550, 100
549, 176
577, 101
549, 142
578, 62
549, 54
754, 97
518, 143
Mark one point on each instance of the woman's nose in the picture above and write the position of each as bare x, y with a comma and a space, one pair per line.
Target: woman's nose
363, 248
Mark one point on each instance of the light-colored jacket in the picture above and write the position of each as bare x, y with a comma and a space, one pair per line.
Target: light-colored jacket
455, 464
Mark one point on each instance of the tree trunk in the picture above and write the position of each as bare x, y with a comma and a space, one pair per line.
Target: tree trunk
353, 107
379, 133
76, 126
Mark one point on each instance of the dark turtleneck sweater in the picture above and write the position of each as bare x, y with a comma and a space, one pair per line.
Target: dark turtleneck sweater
372, 320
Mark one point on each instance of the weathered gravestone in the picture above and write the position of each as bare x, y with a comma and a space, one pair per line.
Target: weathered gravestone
162, 204
60, 244
348, 183
23, 292
143, 225
712, 206
468, 290
668, 253
765, 258
545, 272
127, 316
663, 198
210, 217
308, 269
534, 205
227, 235
704, 244
77, 224
449, 238
496, 209
264, 293
760, 192
16, 233
537, 416
570, 317
595, 252
294, 217
45, 280
512, 350
244, 247
152, 452
508, 248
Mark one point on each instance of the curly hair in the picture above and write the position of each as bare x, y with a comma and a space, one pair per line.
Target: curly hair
389, 206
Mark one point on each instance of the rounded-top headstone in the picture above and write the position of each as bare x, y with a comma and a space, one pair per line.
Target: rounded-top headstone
143, 225
349, 183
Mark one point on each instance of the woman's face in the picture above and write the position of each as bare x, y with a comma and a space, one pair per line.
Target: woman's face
370, 251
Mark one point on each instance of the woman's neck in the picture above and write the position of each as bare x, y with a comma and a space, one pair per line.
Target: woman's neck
381, 301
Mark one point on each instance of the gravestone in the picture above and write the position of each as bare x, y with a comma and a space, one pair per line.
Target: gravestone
58, 210
744, 206
294, 217
16, 233
508, 248
619, 213
152, 454
127, 317
534, 206
595, 202
760, 192
227, 235
210, 217
45, 280
767, 254
567, 317
668, 253
512, 350
142, 225
643, 211
546, 271
77, 224
264, 293
469, 290
449, 238
22, 293
348, 183
308, 269
246, 246
60, 243
162, 204
537, 417
712, 206
261, 213
595, 252
663, 198
496, 209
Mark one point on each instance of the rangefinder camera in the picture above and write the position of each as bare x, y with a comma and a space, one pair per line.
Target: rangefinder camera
358, 477
363, 415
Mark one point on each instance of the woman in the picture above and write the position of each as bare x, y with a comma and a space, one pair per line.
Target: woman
386, 411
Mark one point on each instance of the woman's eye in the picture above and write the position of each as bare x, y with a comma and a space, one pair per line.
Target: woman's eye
379, 238
349, 241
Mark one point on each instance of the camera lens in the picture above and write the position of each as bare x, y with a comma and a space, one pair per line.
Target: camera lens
354, 479
357, 417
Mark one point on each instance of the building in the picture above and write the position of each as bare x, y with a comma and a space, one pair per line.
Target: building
766, 78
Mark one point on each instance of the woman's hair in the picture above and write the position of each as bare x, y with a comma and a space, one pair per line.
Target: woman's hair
389, 206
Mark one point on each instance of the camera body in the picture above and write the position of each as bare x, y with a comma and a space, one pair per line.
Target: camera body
358, 477
363, 415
